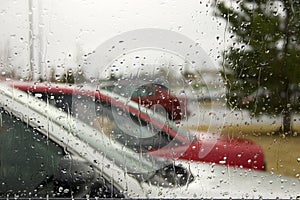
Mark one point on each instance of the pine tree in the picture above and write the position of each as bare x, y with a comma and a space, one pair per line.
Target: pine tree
264, 56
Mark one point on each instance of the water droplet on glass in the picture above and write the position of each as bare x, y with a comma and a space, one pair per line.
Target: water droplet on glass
270, 182
222, 162
60, 189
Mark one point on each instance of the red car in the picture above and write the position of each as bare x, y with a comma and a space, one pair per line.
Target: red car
110, 113
152, 95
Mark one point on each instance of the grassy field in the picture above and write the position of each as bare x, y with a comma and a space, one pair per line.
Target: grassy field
282, 153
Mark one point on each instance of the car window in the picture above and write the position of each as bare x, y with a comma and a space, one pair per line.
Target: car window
117, 123
143, 91
27, 157
59, 100
105, 117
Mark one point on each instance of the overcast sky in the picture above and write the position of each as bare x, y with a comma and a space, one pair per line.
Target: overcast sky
70, 28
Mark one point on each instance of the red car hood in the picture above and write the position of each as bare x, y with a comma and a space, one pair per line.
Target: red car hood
219, 150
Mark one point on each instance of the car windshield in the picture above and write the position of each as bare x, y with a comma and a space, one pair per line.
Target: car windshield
124, 120
143, 166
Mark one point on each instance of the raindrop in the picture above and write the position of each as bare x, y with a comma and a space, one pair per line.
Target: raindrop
60, 189
270, 182
222, 162
282, 180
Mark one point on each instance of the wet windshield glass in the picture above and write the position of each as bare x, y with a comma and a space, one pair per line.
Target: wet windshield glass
141, 90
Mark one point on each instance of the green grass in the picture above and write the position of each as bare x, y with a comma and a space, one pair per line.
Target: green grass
281, 152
